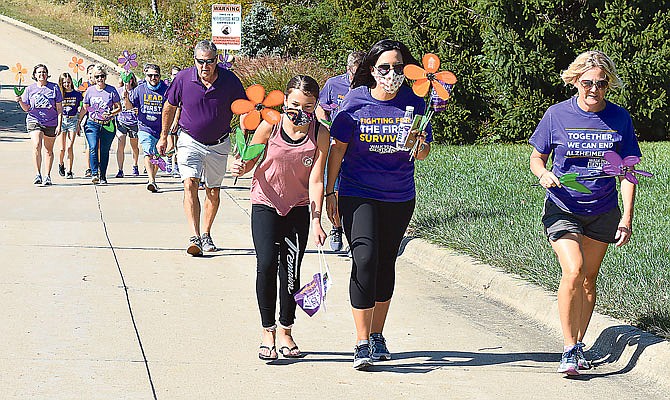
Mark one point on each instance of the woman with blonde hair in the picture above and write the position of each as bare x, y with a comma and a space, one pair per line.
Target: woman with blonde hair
71, 103
580, 226
102, 103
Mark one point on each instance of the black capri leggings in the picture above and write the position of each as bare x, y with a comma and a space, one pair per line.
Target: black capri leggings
374, 230
271, 233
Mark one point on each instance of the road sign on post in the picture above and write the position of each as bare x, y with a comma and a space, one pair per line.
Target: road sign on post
227, 26
100, 33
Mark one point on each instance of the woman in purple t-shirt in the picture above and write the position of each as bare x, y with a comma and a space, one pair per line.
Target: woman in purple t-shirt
71, 103
286, 194
43, 102
576, 133
376, 194
102, 103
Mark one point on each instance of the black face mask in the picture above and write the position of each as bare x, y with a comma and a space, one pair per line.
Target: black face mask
298, 117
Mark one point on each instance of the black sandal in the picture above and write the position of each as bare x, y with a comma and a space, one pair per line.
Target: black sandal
286, 352
270, 357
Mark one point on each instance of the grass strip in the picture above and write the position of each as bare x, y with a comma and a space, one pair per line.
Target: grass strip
479, 200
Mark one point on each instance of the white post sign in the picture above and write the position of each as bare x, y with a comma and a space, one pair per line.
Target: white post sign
227, 26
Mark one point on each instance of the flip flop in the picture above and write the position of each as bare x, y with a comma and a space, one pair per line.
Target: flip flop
270, 357
286, 352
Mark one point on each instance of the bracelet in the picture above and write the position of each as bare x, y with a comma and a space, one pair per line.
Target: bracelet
329, 194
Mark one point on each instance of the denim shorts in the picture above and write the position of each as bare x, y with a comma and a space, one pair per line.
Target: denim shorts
69, 124
557, 222
148, 143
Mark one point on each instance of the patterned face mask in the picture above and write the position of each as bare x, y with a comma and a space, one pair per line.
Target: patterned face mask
298, 117
390, 82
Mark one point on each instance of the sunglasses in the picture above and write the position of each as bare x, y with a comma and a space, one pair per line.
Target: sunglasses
384, 69
153, 76
100, 76
588, 84
207, 61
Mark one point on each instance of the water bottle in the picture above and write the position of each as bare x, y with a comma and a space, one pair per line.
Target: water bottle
404, 128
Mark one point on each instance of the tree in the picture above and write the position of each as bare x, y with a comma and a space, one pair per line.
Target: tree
261, 35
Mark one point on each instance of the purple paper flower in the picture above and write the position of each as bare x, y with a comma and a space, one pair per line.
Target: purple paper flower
127, 60
225, 61
618, 167
158, 160
329, 106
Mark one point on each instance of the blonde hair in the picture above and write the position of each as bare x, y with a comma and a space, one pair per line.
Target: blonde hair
587, 61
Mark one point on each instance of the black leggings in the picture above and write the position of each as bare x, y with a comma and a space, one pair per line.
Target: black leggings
374, 230
274, 255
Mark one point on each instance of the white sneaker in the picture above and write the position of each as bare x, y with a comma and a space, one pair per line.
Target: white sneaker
152, 187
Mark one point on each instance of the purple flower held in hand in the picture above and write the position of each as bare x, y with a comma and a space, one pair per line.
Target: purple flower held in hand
618, 167
127, 60
158, 160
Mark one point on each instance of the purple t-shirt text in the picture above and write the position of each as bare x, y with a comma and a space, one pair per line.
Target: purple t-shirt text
577, 140
372, 167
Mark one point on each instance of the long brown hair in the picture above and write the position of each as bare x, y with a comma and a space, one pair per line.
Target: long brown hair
62, 78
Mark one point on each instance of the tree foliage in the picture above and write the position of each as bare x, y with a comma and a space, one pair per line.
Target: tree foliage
507, 54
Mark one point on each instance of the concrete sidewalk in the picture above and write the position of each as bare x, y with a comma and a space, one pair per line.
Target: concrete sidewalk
101, 302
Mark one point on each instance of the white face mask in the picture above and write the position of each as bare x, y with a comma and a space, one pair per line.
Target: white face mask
389, 82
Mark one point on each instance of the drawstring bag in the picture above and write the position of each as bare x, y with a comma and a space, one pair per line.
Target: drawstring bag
312, 296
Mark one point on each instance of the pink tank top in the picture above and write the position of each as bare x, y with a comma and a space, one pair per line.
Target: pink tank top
281, 180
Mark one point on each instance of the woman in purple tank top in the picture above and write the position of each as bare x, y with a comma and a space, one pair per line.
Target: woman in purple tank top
286, 194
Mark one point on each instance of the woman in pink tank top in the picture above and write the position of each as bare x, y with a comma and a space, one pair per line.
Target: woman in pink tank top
286, 194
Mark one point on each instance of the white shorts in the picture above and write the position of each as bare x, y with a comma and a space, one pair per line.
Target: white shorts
197, 160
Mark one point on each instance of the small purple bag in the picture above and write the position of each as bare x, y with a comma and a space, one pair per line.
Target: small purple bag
312, 296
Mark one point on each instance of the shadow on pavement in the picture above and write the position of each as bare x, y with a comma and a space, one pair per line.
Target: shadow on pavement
611, 344
427, 361
12, 120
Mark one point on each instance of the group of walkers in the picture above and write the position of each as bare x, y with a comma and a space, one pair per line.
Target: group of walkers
369, 190
103, 112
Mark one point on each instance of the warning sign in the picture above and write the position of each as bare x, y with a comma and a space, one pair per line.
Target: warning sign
227, 26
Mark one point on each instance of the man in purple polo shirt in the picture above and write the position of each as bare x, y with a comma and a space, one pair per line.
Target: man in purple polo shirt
204, 93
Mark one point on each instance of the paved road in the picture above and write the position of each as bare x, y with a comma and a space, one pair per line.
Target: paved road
101, 302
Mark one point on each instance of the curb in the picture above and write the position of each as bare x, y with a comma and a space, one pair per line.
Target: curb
65, 43
612, 341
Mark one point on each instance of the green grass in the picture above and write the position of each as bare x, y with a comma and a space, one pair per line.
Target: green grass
479, 200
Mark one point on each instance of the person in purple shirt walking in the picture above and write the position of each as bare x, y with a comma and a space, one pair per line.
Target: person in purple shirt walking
376, 195
204, 93
126, 127
331, 97
71, 103
43, 102
579, 226
286, 194
148, 98
102, 103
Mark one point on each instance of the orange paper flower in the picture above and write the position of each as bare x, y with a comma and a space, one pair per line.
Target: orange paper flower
76, 64
82, 88
258, 106
424, 78
19, 70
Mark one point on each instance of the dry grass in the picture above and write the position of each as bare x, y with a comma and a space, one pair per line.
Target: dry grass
69, 23
274, 72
